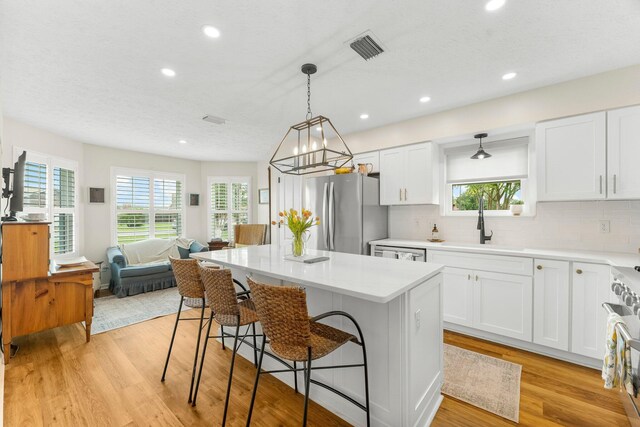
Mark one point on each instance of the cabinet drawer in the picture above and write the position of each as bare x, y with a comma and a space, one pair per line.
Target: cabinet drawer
494, 263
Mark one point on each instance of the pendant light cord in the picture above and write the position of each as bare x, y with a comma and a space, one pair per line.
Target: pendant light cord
309, 115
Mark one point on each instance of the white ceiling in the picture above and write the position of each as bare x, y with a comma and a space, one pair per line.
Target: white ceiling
90, 70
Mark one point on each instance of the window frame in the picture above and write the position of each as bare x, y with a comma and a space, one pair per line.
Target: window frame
228, 180
50, 210
151, 211
524, 191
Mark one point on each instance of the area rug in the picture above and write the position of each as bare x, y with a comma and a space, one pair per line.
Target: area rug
483, 381
112, 312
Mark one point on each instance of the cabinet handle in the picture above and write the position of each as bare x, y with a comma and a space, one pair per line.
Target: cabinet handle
579, 271
600, 184
468, 276
401, 194
476, 277
614, 183
539, 267
405, 194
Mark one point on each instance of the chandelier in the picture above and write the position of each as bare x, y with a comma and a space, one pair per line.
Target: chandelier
313, 145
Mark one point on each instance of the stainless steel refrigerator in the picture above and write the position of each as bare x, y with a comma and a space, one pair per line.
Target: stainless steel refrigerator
350, 212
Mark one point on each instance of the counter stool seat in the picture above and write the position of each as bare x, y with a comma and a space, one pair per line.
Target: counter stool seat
323, 340
246, 315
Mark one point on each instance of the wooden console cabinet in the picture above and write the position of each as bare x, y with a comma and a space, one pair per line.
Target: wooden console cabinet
36, 297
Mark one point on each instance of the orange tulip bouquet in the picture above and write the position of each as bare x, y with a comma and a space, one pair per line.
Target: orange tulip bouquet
299, 226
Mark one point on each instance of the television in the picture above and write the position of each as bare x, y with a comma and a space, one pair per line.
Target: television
14, 188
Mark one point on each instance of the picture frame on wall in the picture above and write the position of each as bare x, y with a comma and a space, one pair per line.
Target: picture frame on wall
263, 196
194, 199
96, 195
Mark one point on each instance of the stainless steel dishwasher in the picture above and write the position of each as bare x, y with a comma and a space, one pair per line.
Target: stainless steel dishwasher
394, 252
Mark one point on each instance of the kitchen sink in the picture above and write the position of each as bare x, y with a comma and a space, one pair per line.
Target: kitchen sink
479, 246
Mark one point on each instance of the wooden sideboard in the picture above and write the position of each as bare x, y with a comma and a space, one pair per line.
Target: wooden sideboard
36, 297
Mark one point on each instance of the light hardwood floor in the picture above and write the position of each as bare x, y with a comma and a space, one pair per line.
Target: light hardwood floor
58, 379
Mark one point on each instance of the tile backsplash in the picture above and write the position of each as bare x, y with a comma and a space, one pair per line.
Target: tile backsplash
560, 225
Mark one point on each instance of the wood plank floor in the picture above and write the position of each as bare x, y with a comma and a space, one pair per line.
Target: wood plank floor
57, 379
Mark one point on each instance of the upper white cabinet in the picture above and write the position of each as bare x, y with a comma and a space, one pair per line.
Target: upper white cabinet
372, 158
551, 303
623, 139
589, 157
406, 175
571, 155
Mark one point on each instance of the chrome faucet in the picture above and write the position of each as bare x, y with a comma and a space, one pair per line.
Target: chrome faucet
483, 237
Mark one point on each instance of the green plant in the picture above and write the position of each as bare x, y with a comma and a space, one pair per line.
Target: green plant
517, 202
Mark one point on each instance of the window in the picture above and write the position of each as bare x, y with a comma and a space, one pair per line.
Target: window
501, 180
50, 188
229, 204
147, 205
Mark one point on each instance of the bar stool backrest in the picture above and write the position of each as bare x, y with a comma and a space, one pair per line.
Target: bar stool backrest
221, 291
282, 311
187, 277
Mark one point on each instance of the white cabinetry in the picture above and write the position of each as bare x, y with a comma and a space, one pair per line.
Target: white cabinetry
407, 175
623, 149
551, 304
590, 290
457, 297
372, 157
571, 156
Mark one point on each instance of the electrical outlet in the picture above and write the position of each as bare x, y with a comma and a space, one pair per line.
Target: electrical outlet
605, 226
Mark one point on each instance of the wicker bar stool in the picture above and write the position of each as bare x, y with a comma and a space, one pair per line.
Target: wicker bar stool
189, 286
294, 336
228, 308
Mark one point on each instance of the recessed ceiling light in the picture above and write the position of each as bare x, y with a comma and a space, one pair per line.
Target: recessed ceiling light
425, 99
509, 76
182, 141
364, 116
494, 5
168, 72
210, 31
319, 129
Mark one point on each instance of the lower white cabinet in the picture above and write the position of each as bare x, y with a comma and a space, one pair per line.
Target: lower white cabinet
502, 304
590, 290
457, 296
551, 303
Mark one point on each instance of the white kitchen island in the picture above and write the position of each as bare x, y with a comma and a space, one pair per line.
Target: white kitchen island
398, 305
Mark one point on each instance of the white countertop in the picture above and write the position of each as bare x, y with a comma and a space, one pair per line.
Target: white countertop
370, 278
615, 259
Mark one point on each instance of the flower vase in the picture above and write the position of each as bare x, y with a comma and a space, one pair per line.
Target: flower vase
297, 245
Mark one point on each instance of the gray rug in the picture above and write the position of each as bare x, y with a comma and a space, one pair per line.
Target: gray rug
112, 312
483, 381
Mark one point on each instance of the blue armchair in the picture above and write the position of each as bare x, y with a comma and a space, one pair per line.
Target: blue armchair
132, 280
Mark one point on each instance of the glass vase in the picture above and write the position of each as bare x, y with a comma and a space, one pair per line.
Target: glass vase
297, 245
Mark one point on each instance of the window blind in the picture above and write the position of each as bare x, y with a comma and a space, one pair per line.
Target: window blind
35, 185
64, 194
229, 205
510, 160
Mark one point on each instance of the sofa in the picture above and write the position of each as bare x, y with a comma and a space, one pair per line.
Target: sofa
147, 268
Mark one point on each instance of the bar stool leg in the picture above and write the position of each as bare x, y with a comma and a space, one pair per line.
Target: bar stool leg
306, 387
366, 380
255, 385
233, 359
295, 376
204, 352
255, 345
222, 335
195, 358
173, 336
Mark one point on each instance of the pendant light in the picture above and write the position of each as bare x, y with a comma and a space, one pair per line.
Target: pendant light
313, 145
480, 154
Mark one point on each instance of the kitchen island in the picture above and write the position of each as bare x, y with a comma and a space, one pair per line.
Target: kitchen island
398, 306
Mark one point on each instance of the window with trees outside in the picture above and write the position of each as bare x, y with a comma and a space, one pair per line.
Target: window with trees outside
50, 188
498, 196
147, 205
229, 204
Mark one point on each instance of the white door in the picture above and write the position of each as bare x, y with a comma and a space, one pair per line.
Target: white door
503, 304
289, 196
418, 182
372, 157
572, 158
590, 290
623, 149
551, 304
392, 167
457, 296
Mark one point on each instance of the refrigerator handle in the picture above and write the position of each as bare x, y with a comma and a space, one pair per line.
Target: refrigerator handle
331, 216
325, 215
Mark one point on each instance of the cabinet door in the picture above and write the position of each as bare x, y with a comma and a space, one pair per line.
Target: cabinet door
571, 158
391, 176
503, 304
551, 304
372, 157
418, 181
457, 296
590, 290
623, 149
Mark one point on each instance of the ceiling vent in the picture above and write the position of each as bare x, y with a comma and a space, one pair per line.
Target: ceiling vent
366, 46
213, 119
